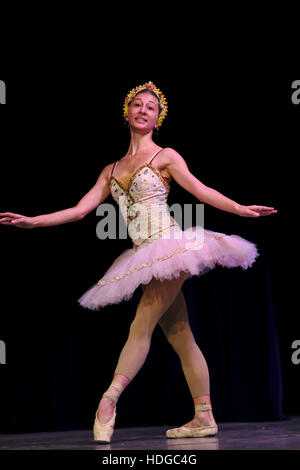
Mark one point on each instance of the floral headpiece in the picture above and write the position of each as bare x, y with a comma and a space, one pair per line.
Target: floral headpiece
163, 105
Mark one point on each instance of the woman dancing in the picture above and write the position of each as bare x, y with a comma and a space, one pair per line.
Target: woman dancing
163, 256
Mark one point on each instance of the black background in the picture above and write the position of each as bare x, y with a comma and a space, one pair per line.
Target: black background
231, 117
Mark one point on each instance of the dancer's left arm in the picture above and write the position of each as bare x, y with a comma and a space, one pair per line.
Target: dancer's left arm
178, 169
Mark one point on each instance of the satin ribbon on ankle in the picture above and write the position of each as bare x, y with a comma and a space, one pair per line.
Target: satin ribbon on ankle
111, 392
203, 407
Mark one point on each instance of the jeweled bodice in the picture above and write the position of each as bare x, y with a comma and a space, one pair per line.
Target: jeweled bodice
143, 205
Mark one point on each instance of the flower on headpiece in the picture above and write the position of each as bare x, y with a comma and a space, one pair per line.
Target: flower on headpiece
163, 105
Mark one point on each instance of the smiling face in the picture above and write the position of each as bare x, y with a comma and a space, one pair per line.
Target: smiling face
143, 112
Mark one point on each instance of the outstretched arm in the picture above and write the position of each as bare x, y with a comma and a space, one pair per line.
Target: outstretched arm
89, 202
178, 169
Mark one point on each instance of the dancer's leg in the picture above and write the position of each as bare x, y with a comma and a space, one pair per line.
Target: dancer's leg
155, 301
176, 327
157, 298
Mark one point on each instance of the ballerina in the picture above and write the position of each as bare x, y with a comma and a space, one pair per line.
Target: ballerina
161, 259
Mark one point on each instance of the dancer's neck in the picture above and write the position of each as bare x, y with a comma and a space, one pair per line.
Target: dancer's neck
139, 143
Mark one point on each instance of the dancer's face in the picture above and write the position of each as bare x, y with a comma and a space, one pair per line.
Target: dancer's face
143, 112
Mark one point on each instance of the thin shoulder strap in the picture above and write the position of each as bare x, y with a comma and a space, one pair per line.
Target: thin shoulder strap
155, 155
115, 164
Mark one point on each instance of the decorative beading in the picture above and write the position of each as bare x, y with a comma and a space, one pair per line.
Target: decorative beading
146, 165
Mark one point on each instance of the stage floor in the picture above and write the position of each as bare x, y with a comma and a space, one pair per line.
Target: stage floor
278, 435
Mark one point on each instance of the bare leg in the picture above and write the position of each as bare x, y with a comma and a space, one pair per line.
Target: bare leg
155, 301
176, 327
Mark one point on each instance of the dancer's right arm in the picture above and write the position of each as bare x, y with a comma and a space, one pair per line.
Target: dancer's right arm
99, 192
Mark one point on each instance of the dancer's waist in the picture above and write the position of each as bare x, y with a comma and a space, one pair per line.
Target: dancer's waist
157, 231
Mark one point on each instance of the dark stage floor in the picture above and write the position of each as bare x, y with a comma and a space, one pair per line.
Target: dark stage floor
279, 435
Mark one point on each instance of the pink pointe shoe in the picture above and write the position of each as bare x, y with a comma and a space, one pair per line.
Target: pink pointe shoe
104, 431
201, 431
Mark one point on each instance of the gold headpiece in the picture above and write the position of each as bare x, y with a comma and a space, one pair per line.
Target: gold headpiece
163, 105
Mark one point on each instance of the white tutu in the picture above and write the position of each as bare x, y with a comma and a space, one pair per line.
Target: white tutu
165, 259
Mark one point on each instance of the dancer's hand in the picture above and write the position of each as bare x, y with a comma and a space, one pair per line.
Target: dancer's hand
255, 211
16, 220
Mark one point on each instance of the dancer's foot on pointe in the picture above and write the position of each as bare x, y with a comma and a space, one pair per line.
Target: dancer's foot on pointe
106, 410
109, 399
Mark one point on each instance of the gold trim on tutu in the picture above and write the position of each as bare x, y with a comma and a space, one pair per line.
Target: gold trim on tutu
144, 265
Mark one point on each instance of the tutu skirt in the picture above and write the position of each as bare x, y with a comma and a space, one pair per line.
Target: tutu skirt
196, 251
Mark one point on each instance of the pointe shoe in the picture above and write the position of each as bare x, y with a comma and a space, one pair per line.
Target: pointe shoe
200, 431
104, 431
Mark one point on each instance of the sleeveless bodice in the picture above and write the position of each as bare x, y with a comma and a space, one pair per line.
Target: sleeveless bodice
143, 204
